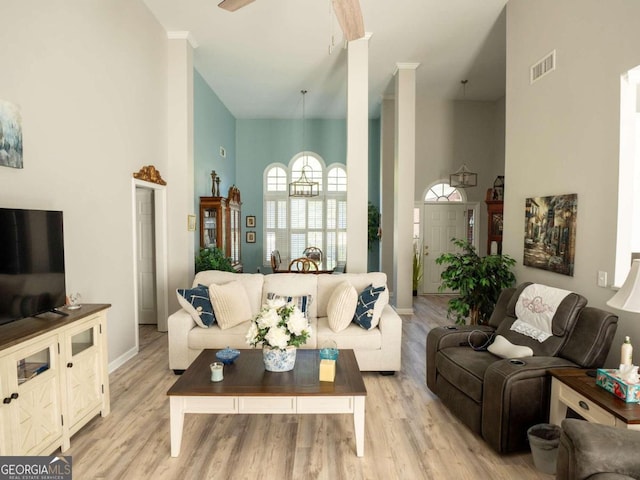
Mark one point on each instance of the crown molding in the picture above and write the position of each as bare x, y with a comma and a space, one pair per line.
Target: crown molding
183, 35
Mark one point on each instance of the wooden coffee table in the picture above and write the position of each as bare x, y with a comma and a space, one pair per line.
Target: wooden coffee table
247, 388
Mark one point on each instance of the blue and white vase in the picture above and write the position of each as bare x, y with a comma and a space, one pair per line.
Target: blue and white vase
276, 360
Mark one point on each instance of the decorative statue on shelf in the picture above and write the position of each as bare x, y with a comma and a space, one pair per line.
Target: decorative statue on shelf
215, 184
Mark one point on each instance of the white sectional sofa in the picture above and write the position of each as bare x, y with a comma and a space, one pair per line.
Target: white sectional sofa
378, 349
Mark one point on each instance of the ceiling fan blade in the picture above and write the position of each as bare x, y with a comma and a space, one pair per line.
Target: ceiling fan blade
350, 18
233, 5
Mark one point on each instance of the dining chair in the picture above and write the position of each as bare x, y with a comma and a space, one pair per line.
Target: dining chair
276, 261
303, 265
314, 253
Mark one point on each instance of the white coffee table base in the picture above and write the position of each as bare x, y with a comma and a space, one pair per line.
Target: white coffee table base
179, 405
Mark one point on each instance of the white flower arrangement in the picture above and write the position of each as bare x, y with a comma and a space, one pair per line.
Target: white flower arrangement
279, 325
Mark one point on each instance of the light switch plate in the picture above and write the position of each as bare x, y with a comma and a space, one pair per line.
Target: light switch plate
602, 279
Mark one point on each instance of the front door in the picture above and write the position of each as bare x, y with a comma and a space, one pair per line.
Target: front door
441, 222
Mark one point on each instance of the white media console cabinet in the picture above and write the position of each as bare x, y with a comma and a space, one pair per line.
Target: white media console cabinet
53, 378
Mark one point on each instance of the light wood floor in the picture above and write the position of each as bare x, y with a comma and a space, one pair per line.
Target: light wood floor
409, 433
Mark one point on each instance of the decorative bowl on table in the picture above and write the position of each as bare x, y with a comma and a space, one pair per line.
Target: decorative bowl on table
227, 355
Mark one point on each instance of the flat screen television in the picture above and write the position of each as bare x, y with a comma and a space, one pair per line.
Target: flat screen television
32, 279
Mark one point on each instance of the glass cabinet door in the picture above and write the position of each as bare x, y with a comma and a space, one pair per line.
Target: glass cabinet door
209, 227
33, 401
83, 372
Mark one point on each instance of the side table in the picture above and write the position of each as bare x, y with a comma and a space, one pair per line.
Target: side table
573, 388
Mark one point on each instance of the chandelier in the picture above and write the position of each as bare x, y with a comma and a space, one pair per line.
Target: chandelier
304, 187
463, 178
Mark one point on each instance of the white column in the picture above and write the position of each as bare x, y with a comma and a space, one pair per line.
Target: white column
357, 153
387, 155
180, 190
404, 184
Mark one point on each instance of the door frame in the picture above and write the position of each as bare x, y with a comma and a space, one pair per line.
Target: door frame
160, 221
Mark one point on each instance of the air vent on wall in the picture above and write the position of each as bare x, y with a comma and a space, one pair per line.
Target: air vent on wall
543, 67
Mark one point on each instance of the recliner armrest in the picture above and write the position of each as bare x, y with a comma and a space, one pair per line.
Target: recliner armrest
516, 396
588, 448
444, 337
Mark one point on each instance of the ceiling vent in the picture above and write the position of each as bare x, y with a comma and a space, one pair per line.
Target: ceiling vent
544, 66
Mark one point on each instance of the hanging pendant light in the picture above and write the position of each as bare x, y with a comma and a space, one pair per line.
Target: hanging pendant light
304, 187
463, 178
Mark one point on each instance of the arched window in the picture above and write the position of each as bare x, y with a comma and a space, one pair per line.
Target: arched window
443, 192
294, 223
276, 180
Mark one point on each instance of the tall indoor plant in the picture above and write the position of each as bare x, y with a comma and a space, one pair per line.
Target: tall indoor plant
477, 280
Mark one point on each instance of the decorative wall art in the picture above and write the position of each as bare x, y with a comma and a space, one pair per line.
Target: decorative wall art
251, 221
550, 233
10, 135
251, 237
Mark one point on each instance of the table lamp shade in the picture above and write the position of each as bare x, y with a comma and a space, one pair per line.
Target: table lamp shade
628, 297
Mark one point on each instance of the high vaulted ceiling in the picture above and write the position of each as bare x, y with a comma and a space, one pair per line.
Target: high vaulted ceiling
258, 58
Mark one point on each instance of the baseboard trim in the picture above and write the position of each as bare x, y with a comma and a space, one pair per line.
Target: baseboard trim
122, 359
404, 311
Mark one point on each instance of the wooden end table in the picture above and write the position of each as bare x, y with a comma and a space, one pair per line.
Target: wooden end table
248, 388
573, 388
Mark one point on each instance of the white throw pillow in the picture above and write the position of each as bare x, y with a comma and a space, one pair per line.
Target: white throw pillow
342, 306
505, 349
231, 304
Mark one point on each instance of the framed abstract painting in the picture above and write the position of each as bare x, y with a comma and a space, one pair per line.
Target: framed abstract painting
10, 135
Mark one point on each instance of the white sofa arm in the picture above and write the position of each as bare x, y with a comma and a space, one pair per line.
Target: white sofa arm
180, 324
391, 329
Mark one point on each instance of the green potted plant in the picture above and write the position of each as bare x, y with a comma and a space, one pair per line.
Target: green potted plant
373, 225
417, 267
477, 280
213, 258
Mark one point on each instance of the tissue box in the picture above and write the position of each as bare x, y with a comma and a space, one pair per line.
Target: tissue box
608, 380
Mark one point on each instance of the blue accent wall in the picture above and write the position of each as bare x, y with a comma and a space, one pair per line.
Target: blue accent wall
214, 127
263, 142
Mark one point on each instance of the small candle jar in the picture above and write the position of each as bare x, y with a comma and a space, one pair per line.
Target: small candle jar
216, 372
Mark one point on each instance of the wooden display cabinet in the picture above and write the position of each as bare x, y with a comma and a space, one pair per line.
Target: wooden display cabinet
234, 227
220, 224
494, 225
213, 223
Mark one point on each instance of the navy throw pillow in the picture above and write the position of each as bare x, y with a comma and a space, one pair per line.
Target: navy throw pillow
364, 308
196, 302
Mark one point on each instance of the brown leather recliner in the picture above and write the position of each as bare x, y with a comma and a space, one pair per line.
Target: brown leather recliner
498, 398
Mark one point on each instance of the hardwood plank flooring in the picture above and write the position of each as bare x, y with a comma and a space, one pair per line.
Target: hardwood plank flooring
409, 434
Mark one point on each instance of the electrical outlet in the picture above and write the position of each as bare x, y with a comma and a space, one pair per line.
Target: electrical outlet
223, 152
602, 279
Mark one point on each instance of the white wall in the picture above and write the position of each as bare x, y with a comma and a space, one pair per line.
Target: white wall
562, 133
450, 133
90, 78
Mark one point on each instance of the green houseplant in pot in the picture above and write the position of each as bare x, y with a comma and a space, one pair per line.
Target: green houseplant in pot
477, 280
418, 267
213, 258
